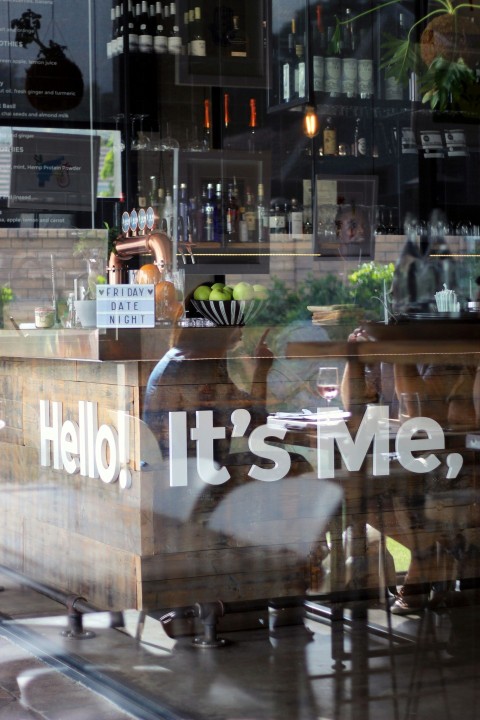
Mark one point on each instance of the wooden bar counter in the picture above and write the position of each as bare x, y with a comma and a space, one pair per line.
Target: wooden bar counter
144, 543
148, 545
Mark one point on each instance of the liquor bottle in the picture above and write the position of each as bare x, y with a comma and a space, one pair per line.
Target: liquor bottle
295, 218
208, 209
319, 42
278, 220
360, 145
333, 67
182, 220
174, 40
198, 46
236, 39
250, 216
349, 60
160, 36
365, 66
153, 194
330, 144
252, 125
394, 89
262, 221
207, 129
145, 38
167, 217
288, 67
160, 205
231, 216
219, 215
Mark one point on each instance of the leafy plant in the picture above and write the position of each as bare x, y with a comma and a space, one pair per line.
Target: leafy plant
6, 294
446, 79
364, 289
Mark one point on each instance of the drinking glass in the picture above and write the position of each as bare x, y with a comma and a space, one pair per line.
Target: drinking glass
410, 406
327, 383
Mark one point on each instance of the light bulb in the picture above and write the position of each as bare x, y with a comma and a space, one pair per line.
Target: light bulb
310, 122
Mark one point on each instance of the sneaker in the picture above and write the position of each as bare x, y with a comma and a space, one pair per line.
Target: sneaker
405, 606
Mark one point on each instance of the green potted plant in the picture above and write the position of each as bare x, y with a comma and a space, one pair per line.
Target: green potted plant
443, 58
6, 297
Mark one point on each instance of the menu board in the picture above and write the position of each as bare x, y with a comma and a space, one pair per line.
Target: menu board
53, 170
45, 46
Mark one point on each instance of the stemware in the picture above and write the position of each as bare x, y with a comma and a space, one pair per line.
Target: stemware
410, 406
327, 383
168, 142
139, 141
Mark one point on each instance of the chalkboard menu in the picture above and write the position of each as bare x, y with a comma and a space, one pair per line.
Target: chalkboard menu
45, 50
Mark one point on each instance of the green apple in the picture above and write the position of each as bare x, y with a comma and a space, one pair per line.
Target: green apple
261, 292
219, 295
202, 292
243, 291
228, 290
217, 286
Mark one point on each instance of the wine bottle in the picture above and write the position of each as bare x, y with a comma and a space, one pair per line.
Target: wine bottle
365, 66
319, 41
330, 145
333, 67
207, 129
288, 67
252, 125
236, 39
145, 38
198, 46
111, 41
262, 223
174, 40
153, 194
208, 209
394, 89
160, 36
349, 61
119, 43
132, 29
300, 77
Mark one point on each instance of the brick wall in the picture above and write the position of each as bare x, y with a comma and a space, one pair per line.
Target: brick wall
26, 260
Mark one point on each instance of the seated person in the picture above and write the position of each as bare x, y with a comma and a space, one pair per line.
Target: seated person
448, 395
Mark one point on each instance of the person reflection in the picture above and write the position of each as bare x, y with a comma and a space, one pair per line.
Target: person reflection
446, 394
193, 375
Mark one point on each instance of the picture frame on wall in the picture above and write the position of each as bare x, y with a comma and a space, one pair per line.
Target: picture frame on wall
344, 221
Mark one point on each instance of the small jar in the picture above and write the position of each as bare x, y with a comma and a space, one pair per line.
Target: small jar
44, 317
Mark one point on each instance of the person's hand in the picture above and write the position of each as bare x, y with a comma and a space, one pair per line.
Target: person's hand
359, 335
262, 350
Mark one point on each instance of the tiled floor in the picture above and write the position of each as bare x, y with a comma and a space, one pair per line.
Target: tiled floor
260, 675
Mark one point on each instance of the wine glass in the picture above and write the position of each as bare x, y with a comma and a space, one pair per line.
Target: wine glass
168, 142
140, 141
327, 383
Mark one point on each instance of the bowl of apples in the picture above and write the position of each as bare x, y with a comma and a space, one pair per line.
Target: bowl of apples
227, 305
